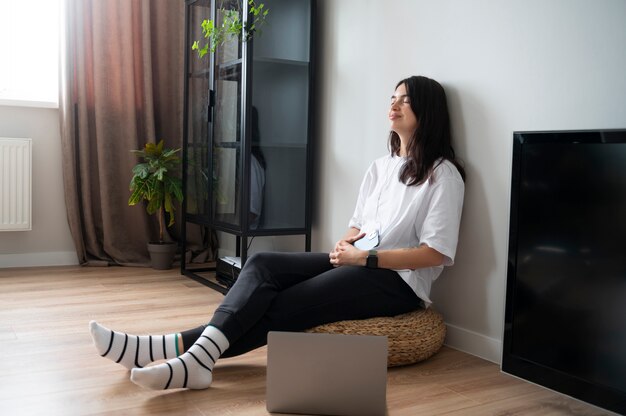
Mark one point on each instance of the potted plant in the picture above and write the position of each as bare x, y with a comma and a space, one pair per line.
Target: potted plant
156, 181
232, 26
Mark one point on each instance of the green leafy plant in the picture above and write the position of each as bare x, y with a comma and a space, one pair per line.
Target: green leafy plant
231, 26
156, 181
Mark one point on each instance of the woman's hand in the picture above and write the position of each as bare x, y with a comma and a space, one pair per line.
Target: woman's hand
348, 240
345, 253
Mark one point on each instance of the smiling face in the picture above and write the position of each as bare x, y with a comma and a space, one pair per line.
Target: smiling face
401, 117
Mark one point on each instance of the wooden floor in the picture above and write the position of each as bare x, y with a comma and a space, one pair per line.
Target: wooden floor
48, 365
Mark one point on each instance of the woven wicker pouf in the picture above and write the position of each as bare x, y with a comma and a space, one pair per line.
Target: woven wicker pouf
411, 337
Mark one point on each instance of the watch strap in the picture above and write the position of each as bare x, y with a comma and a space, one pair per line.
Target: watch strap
372, 259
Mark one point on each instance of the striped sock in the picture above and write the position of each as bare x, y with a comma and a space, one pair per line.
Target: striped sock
132, 350
191, 370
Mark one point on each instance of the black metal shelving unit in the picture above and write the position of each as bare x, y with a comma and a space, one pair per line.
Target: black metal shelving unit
248, 129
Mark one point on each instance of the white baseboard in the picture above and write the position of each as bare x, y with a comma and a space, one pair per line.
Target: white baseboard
51, 258
474, 343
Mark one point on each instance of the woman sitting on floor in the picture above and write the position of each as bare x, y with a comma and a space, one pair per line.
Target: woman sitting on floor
403, 231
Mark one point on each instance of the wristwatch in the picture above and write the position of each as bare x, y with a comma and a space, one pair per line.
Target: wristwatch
372, 259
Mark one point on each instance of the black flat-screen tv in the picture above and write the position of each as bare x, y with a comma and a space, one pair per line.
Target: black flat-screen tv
565, 315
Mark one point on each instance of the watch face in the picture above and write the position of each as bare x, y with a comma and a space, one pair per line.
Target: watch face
372, 261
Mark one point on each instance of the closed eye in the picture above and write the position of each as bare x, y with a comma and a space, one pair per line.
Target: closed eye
404, 99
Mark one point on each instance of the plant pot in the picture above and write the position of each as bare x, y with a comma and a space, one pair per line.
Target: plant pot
162, 255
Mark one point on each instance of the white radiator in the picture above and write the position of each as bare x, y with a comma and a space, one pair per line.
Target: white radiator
15, 184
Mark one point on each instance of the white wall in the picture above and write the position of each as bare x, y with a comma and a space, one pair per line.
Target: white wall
49, 242
506, 65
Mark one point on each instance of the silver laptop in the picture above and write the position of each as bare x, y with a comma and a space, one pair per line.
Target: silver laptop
326, 374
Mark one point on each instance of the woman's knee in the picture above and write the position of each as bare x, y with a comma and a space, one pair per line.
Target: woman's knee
258, 267
259, 260
268, 262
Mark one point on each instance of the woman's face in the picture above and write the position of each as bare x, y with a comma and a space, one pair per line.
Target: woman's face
402, 119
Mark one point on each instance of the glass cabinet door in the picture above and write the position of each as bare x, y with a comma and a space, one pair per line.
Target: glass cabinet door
197, 123
227, 139
280, 115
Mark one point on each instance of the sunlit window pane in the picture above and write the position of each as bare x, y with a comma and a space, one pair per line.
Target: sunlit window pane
29, 50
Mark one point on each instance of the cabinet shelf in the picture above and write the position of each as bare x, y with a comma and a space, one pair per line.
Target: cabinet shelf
202, 73
278, 61
229, 64
283, 145
277, 144
228, 145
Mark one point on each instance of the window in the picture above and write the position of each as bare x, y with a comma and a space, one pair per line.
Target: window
29, 52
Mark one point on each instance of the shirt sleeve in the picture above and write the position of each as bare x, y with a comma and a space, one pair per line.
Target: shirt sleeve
440, 229
366, 187
257, 182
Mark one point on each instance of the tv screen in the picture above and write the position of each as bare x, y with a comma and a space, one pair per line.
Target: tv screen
565, 319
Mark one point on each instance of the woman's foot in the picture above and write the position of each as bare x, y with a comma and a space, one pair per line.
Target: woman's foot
131, 350
192, 370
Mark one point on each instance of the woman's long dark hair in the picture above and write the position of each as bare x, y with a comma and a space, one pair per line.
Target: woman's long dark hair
431, 140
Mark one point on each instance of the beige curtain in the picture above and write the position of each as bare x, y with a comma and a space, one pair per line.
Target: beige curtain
121, 86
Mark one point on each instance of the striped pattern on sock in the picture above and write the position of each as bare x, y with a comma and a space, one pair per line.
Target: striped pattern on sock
132, 351
192, 369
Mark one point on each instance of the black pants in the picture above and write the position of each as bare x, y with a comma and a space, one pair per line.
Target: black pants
297, 291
